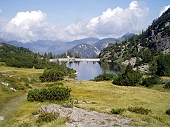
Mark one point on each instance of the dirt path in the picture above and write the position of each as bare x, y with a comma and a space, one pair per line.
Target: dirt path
10, 107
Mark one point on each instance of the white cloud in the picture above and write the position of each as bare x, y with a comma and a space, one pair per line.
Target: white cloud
113, 23
27, 26
133, 5
164, 9
21, 17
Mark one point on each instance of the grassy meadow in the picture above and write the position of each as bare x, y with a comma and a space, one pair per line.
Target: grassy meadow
17, 74
99, 96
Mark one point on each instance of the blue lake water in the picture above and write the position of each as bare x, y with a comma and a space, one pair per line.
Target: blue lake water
88, 70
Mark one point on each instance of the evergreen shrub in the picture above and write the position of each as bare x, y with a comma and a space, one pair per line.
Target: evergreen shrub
150, 81
128, 78
54, 93
168, 112
139, 110
117, 111
51, 75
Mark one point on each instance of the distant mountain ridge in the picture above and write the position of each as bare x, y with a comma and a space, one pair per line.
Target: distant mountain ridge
93, 50
94, 46
103, 43
56, 47
85, 50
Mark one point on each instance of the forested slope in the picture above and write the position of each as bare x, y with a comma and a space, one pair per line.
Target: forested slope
151, 47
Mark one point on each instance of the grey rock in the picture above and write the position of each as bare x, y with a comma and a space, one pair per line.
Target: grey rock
78, 117
1, 118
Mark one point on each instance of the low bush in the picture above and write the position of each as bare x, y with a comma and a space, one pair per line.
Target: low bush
167, 85
117, 111
168, 112
129, 77
150, 81
139, 110
54, 93
51, 75
47, 117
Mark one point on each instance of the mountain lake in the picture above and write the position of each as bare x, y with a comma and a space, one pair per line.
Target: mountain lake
89, 70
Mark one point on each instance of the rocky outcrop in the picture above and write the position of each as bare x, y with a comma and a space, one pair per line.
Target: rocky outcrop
132, 61
142, 68
77, 117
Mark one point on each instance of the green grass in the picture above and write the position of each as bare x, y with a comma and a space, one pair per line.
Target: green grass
16, 73
108, 96
103, 97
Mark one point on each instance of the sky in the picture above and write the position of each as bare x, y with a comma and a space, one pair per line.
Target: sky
68, 20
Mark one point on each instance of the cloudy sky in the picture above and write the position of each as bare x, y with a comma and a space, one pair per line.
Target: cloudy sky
67, 20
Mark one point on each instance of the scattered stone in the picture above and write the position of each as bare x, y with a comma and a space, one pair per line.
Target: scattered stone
36, 116
1, 118
13, 89
5, 84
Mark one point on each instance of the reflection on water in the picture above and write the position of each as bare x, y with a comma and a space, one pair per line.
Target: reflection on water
88, 70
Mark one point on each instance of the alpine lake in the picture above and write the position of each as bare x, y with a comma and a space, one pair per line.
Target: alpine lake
89, 70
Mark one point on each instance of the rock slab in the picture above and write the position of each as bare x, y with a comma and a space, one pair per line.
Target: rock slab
78, 117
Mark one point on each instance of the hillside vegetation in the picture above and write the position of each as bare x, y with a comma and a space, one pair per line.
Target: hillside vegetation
24, 58
151, 47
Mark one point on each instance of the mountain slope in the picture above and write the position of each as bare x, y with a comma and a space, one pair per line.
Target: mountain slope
16, 56
21, 57
93, 50
85, 51
157, 36
105, 42
155, 39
